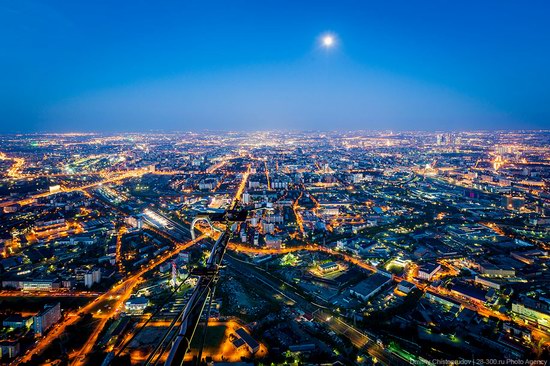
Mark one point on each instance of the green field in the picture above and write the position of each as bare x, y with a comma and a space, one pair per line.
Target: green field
214, 337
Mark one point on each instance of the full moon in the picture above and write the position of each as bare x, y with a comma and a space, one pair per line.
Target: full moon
328, 40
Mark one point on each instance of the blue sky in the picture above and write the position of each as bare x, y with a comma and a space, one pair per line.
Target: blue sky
256, 65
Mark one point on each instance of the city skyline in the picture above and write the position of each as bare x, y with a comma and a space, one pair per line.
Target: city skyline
353, 248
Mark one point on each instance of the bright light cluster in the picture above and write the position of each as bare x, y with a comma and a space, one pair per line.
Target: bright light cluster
328, 40
156, 218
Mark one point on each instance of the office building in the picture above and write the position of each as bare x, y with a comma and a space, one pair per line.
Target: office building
44, 320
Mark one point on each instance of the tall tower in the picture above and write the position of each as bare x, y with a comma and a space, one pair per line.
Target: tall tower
174, 274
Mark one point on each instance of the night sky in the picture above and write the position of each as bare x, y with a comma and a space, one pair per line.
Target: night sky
109, 66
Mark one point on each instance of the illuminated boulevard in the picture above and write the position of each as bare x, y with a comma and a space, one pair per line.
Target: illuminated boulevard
120, 292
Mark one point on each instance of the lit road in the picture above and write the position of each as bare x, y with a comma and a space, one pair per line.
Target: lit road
312, 248
121, 292
118, 253
15, 169
59, 293
356, 337
290, 292
241, 188
117, 178
297, 214
216, 166
478, 308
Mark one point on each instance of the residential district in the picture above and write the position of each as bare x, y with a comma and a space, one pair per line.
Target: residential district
359, 248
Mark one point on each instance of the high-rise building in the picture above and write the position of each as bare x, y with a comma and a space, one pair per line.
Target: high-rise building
96, 275
183, 258
46, 318
91, 277
9, 348
88, 279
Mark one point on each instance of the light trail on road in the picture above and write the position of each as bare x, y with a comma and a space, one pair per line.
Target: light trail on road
130, 174
129, 285
123, 290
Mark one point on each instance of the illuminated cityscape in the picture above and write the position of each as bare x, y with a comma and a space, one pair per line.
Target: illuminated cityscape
274, 183
358, 247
